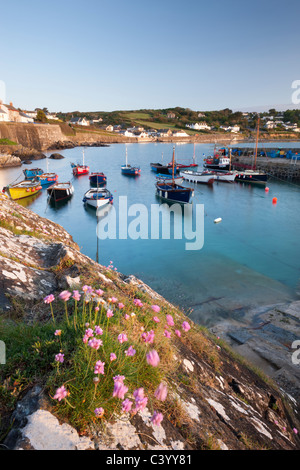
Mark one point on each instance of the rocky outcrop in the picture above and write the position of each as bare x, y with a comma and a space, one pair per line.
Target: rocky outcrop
216, 400
9, 161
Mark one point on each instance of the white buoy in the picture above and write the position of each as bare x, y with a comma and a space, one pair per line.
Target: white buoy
218, 220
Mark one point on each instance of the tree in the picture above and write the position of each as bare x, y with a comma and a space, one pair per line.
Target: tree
41, 116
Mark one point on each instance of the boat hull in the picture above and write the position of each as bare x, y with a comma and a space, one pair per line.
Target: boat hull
32, 173
177, 179
227, 177
174, 193
81, 170
130, 171
97, 178
46, 179
97, 198
251, 177
22, 191
195, 177
60, 192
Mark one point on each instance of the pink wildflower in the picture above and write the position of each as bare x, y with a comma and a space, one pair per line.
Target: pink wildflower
59, 357
57, 333
137, 303
112, 357
89, 333
185, 326
65, 295
295, 431
156, 319
122, 338
60, 394
99, 412
95, 343
140, 399
49, 299
130, 351
170, 320
109, 313
153, 358
85, 339
76, 296
99, 292
126, 316
113, 300
148, 337
98, 330
99, 367
167, 334
121, 305
157, 418
177, 332
161, 392
155, 308
126, 405
119, 390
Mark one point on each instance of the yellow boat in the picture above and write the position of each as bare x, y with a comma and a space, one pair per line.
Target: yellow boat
23, 189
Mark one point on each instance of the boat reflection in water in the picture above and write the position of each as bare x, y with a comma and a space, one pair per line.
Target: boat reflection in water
26, 202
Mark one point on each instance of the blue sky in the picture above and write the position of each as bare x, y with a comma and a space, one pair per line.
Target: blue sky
96, 55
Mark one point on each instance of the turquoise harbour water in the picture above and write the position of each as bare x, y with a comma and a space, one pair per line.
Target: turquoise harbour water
250, 259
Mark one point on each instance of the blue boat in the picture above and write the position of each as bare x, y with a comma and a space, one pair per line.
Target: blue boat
32, 173
97, 178
47, 178
129, 170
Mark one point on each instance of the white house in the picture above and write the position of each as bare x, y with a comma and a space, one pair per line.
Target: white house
25, 118
10, 114
180, 133
270, 125
199, 126
79, 121
109, 128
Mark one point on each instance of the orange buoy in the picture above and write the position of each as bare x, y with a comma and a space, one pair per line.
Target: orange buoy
266, 189
274, 200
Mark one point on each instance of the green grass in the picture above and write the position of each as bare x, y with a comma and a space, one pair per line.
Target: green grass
7, 142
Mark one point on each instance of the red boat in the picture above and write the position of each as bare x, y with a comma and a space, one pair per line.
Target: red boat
79, 170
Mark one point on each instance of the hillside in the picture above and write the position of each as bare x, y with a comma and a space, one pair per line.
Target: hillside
171, 385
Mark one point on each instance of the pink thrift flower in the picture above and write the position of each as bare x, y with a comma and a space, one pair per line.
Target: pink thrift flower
60, 394
99, 412
153, 358
137, 303
113, 300
119, 378
126, 316
126, 405
156, 319
177, 332
99, 292
76, 296
130, 351
99, 367
167, 334
155, 308
65, 295
85, 339
59, 357
295, 431
97, 309
121, 305
112, 357
148, 337
119, 390
161, 392
139, 393
57, 333
49, 299
140, 403
98, 330
89, 333
170, 320
185, 326
95, 343
109, 313
122, 338
157, 418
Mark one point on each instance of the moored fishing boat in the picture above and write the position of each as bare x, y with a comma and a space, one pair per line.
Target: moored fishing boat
97, 178
79, 169
60, 191
251, 176
47, 178
98, 197
32, 173
161, 177
205, 177
171, 191
129, 170
228, 176
23, 189
160, 168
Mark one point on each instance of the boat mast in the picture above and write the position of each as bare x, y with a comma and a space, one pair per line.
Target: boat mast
194, 156
126, 157
82, 157
173, 162
256, 144
229, 159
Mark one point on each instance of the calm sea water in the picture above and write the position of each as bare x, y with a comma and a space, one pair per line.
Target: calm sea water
250, 259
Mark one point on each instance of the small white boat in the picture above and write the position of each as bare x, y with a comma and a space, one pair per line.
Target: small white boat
228, 176
98, 197
177, 179
206, 177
